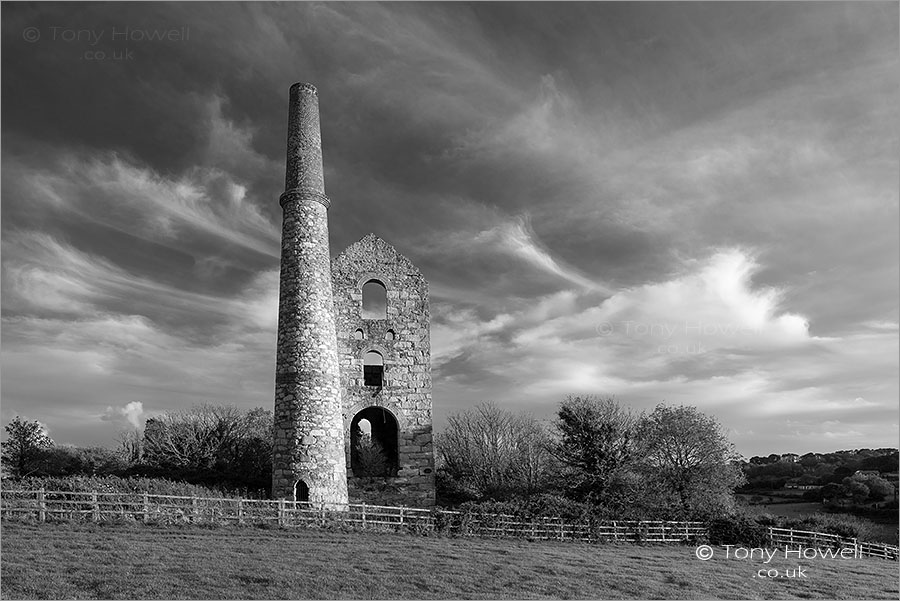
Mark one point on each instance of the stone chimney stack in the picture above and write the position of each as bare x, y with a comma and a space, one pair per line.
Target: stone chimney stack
309, 462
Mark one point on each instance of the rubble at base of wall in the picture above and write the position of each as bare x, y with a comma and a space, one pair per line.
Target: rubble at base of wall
390, 492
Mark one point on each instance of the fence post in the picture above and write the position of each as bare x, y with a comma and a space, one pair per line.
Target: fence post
281, 512
364, 514
240, 511
42, 505
146, 507
194, 511
95, 507
401, 516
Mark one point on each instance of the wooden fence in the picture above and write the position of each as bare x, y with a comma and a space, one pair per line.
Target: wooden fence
820, 540
44, 506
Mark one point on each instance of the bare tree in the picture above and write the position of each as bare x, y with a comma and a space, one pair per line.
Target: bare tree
494, 452
200, 437
130, 446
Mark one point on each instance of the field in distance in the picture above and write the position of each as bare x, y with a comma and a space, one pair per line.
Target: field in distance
120, 561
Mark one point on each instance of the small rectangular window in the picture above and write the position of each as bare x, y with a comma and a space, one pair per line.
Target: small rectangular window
373, 375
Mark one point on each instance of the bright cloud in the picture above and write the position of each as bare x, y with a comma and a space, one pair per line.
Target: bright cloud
132, 414
706, 337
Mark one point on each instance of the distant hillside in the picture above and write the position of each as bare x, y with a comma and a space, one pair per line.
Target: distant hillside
818, 469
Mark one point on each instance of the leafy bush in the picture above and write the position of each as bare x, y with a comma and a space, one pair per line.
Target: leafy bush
115, 484
70, 461
544, 505
548, 505
443, 521
369, 458
847, 526
453, 491
737, 530
769, 519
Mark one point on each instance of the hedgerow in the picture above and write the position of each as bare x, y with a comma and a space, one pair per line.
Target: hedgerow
116, 484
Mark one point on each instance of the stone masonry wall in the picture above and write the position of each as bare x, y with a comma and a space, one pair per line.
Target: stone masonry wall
309, 429
407, 359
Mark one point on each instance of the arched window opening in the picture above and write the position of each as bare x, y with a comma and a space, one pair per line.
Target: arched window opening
358, 334
301, 492
373, 369
374, 300
389, 335
374, 453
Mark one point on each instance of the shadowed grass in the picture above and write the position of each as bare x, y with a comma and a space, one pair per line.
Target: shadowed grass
119, 561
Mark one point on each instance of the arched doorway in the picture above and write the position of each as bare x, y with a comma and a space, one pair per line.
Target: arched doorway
301, 492
374, 443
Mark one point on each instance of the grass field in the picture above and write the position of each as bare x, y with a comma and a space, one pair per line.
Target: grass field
53, 561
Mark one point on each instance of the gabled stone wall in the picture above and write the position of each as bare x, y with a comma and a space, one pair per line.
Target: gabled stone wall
406, 392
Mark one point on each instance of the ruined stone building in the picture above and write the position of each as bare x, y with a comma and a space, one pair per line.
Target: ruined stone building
353, 366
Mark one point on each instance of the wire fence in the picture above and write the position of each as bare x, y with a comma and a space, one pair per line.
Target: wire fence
43, 505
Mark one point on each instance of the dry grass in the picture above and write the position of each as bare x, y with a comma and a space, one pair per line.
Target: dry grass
53, 561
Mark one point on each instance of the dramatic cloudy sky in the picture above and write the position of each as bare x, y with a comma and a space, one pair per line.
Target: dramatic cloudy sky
682, 203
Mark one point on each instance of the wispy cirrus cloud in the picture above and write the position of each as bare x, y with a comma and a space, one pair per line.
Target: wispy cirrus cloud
43, 274
114, 193
518, 239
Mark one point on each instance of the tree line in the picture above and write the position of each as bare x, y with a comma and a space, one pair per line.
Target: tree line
670, 463
219, 447
839, 479
774, 471
673, 462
